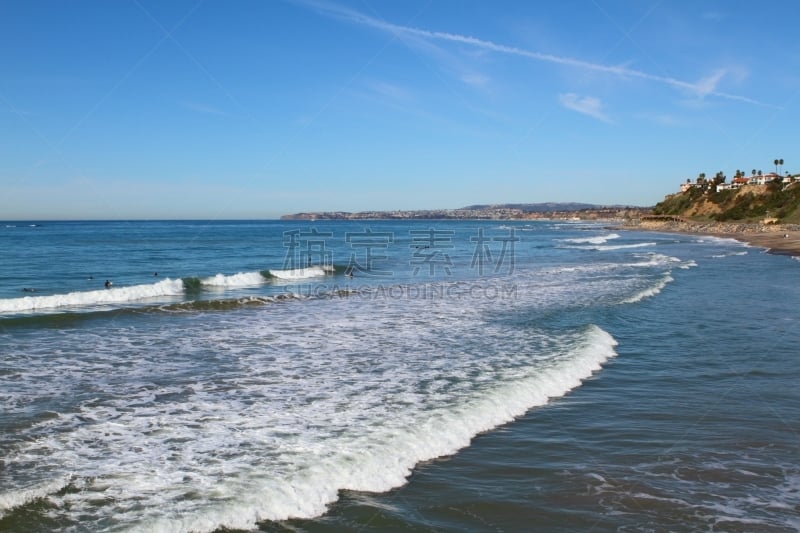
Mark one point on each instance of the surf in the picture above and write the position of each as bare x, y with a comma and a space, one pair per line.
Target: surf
241, 279
599, 239
303, 273
115, 295
112, 295
312, 451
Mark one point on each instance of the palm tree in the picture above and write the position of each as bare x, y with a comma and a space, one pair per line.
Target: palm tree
754, 172
780, 162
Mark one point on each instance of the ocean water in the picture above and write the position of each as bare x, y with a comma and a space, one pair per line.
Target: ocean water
468, 376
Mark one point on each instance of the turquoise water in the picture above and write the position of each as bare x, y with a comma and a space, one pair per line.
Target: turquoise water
468, 376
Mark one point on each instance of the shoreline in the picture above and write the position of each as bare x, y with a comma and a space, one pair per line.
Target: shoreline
778, 239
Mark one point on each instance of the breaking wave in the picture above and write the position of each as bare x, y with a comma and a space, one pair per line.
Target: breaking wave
600, 239
112, 295
294, 461
242, 279
303, 273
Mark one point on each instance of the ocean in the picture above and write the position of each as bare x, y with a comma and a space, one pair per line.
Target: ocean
395, 376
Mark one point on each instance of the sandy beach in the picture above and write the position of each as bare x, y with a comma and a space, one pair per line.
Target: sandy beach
783, 239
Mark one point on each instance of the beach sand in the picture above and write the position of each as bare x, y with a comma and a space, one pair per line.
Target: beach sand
787, 243
776, 238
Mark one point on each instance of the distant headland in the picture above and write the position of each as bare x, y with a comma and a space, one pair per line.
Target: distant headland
762, 208
546, 210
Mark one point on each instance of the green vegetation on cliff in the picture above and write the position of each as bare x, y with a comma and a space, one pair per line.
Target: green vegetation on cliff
678, 204
749, 203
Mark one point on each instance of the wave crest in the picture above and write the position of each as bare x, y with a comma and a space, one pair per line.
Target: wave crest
599, 239
242, 279
113, 295
303, 273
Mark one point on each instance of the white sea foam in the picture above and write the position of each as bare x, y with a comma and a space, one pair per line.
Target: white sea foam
242, 279
706, 239
730, 498
269, 412
16, 498
393, 450
302, 273
352, 396
600, 247
599, 239
620, 246
653, 259
113, 295
643, 260
729, 254
650, 291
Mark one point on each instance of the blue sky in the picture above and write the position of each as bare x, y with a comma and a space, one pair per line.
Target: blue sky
212, 109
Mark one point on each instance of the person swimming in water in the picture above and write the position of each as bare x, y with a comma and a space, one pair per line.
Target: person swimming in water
108, 284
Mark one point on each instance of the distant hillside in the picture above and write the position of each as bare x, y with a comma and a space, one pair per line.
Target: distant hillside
485, 212
750, 203
544, 207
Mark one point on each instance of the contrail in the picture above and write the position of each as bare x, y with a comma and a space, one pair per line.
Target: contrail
704, 87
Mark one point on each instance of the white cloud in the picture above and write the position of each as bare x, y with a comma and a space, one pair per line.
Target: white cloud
588, 105
708, 85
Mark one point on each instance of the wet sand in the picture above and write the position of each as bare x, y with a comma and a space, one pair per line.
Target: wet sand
776, 238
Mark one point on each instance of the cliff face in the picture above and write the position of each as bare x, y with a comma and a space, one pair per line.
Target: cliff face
749, 203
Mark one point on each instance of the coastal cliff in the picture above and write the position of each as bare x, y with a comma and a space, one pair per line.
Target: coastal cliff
769, 203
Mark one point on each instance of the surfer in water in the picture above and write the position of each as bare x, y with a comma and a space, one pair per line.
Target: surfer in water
108, 284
